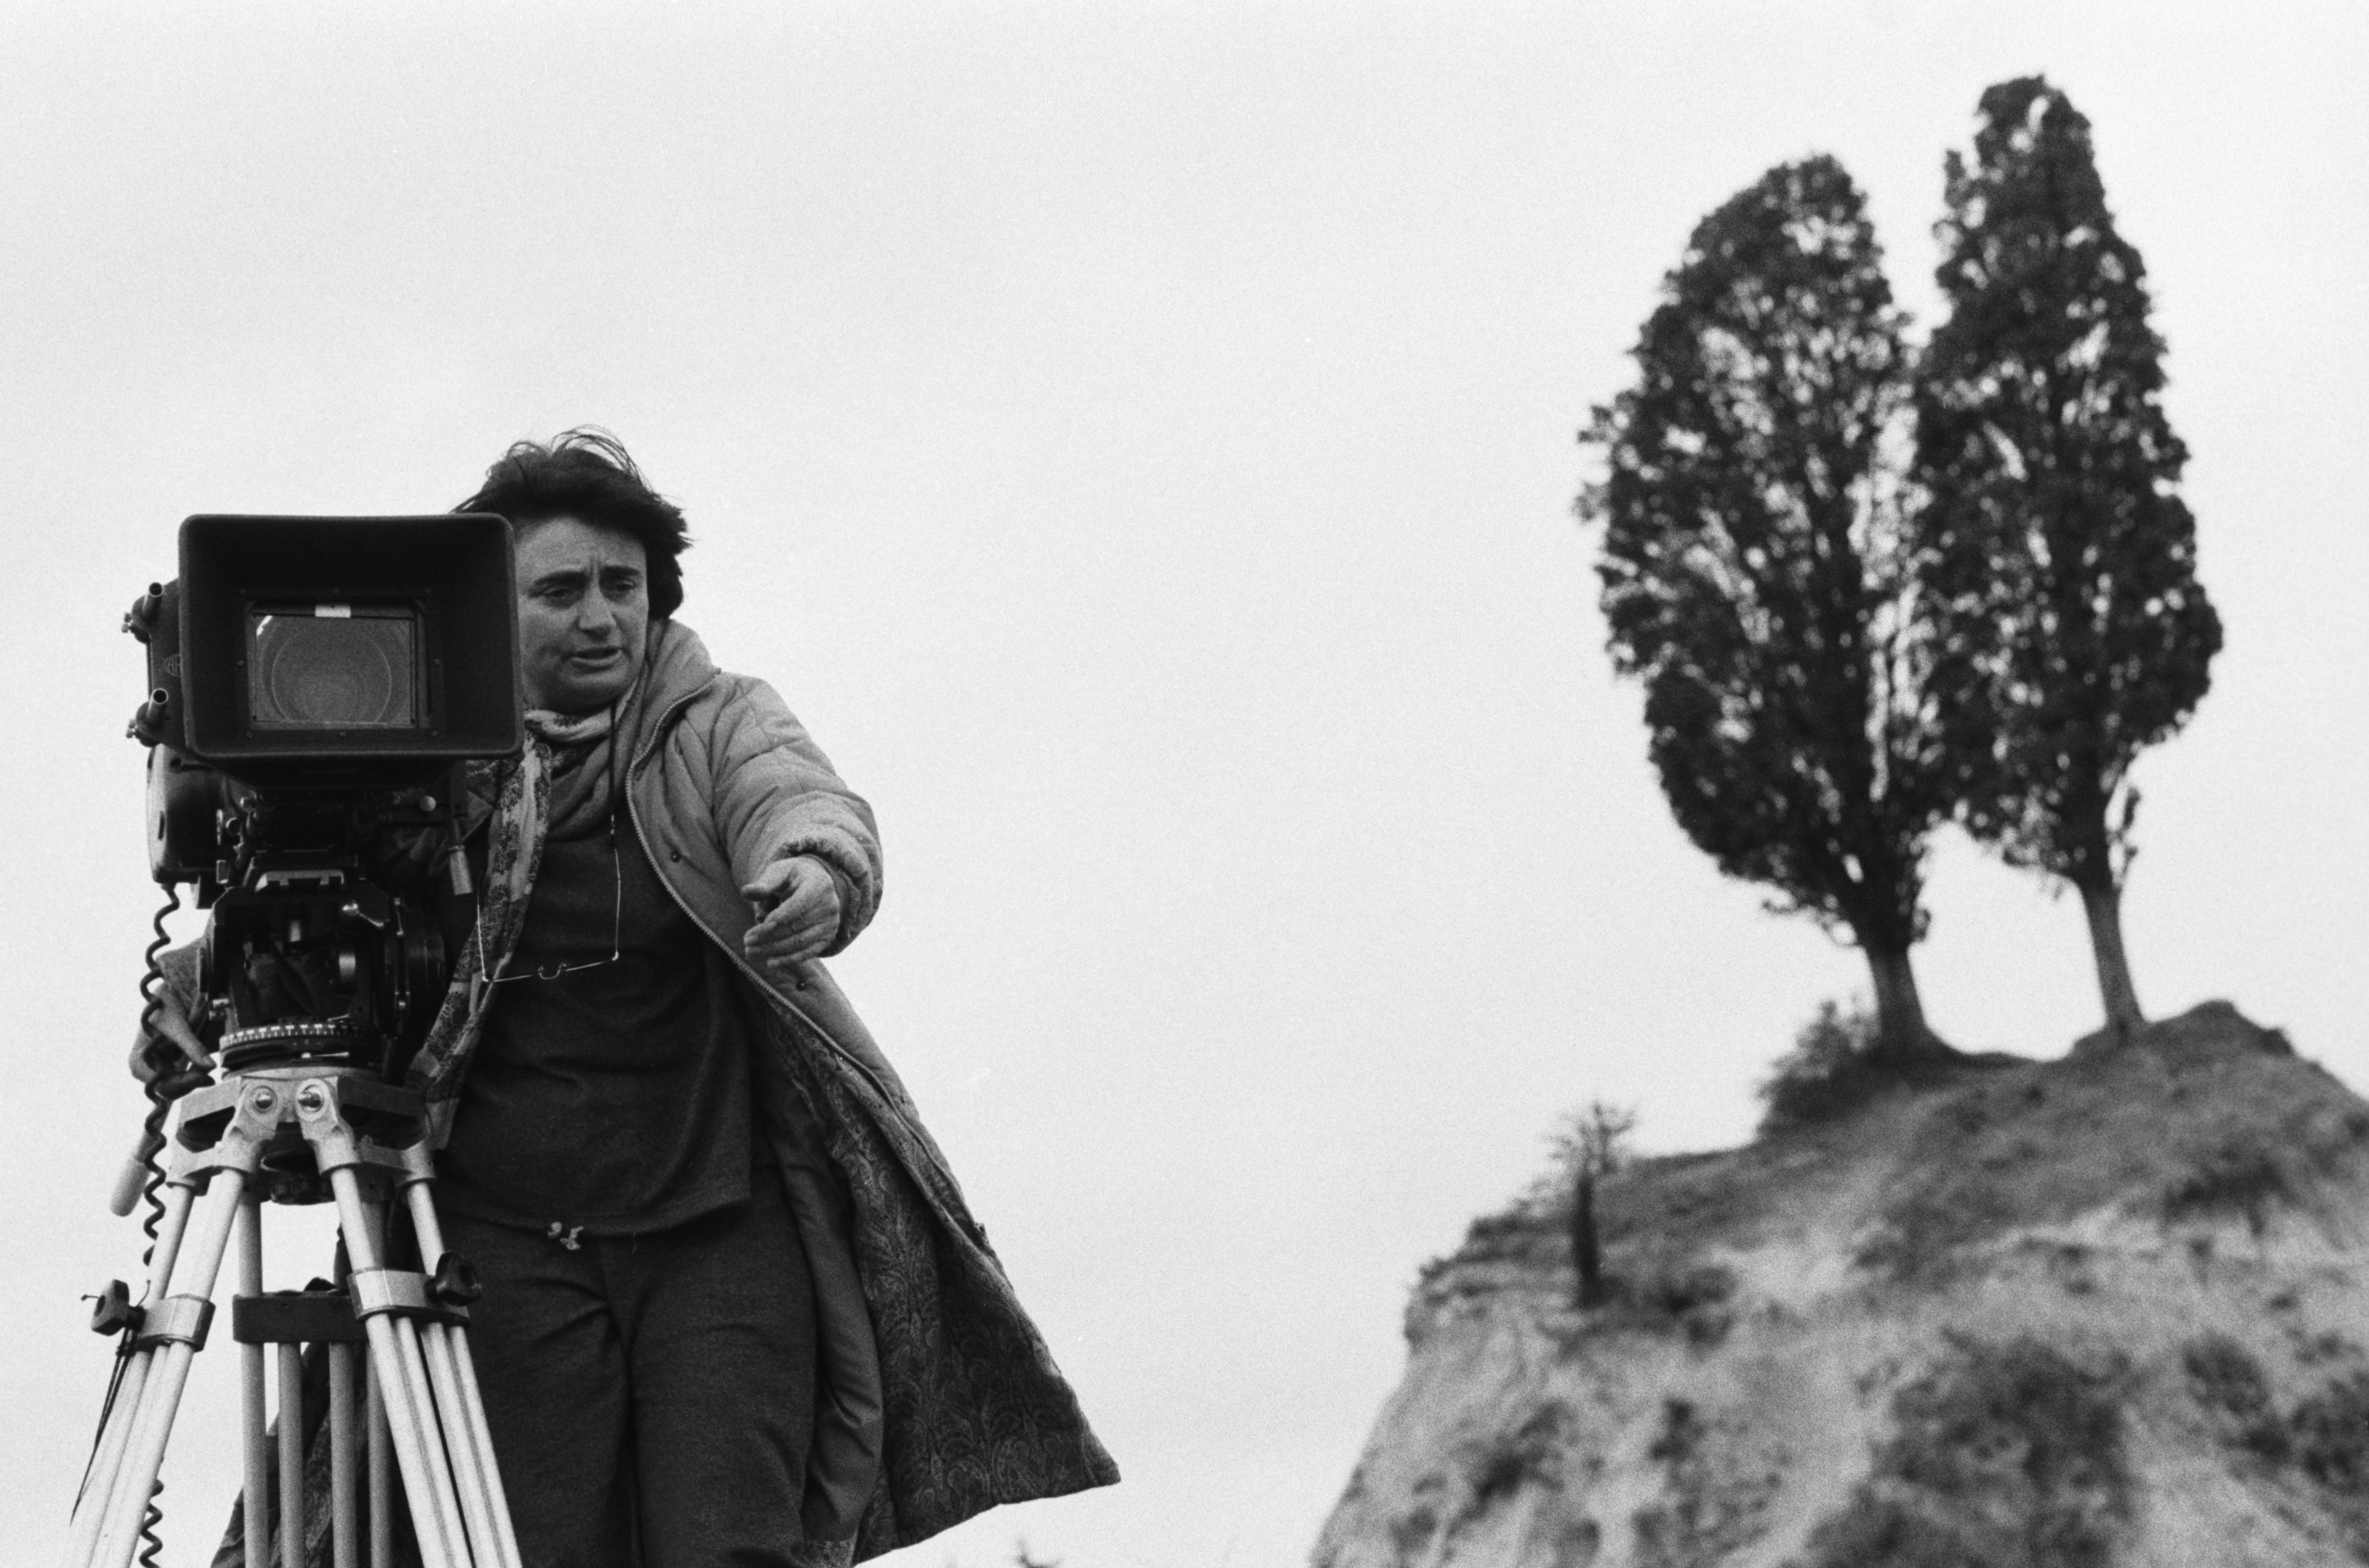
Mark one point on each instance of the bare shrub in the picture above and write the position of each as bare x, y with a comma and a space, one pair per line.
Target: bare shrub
2331, 1435
1832, 1068
2234, 1180
1591, 1144
2226, 1380
2009, 1456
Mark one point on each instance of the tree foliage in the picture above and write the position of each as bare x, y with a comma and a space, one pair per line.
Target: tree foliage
2060, 564
1753, 565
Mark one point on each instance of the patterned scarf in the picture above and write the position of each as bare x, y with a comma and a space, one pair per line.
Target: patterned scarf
562, 784
582, 750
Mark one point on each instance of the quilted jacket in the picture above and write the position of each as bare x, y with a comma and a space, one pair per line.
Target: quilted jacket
937, 1398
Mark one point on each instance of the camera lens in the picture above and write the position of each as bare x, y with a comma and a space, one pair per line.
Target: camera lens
345, 669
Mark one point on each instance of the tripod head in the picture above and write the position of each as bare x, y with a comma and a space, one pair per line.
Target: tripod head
310, 955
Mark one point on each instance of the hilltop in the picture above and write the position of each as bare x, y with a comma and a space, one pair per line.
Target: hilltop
2103, 1309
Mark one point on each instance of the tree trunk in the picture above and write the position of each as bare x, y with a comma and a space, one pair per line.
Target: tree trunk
1586, 1254
2105, 907
1899, 1015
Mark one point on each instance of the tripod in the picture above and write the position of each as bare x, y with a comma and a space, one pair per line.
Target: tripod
296, 1125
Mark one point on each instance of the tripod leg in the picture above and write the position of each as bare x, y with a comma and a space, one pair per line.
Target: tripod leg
382, 1471
437, 1485
505, 1533
402, 1382
256, 1516
90, 1513
194, 1268
115, 1437
292, 1456
469, 1462
344, 1516
383, 1467
478, 1475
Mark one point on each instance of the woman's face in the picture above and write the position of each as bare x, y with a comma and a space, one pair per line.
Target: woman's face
584, 613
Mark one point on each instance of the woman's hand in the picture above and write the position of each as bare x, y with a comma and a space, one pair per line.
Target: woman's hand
173, 1025
798, 905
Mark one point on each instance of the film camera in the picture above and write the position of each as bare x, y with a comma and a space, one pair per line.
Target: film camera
314, 686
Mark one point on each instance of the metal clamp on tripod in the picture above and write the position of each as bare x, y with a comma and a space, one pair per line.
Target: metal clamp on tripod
315, 686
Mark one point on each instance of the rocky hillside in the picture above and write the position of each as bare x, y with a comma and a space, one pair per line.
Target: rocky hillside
2103, 1310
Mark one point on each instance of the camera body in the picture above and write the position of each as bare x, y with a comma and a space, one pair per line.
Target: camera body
314, 687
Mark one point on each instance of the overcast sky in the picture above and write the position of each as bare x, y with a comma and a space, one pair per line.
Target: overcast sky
1138, 439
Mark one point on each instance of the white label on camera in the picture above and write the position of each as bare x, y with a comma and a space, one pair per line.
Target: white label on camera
334, 611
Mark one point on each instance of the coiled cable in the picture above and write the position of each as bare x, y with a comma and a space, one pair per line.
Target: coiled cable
173, 1075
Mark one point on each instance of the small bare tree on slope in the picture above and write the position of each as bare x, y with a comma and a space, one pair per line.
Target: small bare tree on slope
1754, 569
2059, 563
1592, 1143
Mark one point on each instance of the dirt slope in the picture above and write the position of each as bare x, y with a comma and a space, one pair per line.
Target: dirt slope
2094, 1311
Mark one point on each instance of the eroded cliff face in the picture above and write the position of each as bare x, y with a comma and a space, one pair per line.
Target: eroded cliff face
2101, 1310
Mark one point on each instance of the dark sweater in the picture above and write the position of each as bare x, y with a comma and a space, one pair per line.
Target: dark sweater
612, 1099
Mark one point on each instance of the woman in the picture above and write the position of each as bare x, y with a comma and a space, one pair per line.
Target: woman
736, 1310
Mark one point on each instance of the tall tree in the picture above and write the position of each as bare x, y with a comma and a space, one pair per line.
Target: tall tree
2059, 565
1754, 568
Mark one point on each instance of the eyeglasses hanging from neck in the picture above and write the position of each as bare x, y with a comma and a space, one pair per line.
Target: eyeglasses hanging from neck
554, 970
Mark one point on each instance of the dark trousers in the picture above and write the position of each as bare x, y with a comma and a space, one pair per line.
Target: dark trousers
654, 1390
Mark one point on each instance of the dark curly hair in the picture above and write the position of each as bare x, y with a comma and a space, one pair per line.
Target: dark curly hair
585, 473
